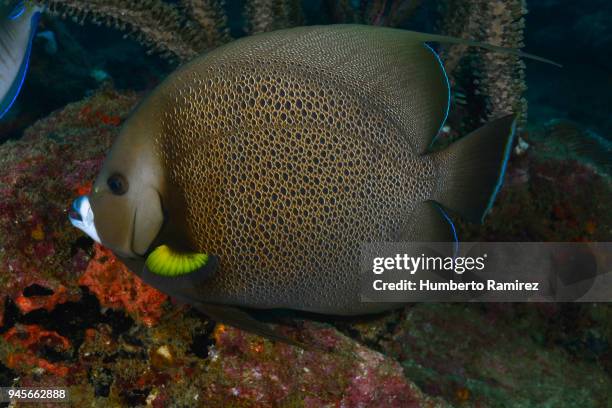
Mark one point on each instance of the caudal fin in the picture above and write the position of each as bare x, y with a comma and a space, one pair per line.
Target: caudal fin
472, 169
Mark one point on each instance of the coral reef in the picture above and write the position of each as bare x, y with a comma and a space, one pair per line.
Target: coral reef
184, 361
72, 316
175, 32
270, 15
496, 81
75, 318
41, 174
207, 20
183, 30
28, 341
566, 139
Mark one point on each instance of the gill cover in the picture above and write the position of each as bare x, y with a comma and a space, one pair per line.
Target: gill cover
129, 223
148, 220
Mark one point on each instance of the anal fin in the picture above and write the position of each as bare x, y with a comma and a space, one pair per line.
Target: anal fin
429, 223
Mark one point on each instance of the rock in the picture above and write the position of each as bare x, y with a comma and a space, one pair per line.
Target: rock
501, 355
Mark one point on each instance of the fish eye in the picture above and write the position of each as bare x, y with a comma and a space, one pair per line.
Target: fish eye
117, 184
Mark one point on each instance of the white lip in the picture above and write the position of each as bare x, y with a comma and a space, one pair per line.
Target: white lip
86, 223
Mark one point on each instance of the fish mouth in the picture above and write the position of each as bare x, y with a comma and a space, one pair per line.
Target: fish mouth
82, 217
74, 215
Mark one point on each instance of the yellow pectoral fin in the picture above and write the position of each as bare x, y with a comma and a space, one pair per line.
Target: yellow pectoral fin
167, 262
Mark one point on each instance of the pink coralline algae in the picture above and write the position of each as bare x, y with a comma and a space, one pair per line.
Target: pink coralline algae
41, 174
260, 374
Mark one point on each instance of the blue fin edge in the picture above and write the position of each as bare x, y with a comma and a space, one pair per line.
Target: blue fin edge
453, 229
17, 11
502, 172
448, 103
20, 78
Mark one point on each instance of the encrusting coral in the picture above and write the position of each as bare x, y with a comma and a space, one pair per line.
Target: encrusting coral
117, 287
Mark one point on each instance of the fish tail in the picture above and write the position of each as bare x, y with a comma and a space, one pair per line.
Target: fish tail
472, 169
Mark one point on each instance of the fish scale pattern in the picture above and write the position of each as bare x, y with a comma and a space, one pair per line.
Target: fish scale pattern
285, 171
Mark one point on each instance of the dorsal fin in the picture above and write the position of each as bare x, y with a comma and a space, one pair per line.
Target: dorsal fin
394, 73
445, 39
394, 69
